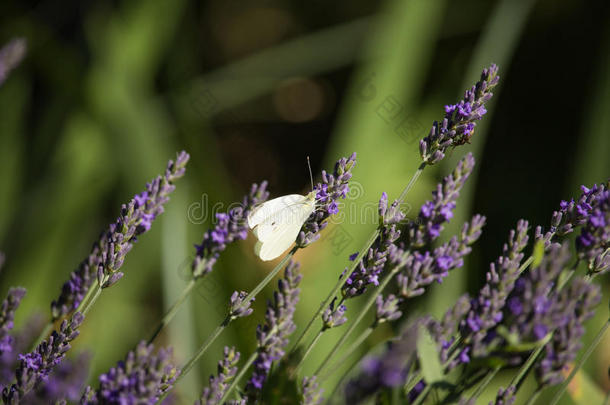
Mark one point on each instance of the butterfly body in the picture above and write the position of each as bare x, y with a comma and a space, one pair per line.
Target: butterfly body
276, 223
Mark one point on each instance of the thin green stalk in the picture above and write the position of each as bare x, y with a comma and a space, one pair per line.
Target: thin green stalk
270, 276
96, 295
580, 362
335, 289
518, 378
307, 351
348, 353
191, 363
239, 376
490, 376
369, 303
533, 397
173, 309
356, 261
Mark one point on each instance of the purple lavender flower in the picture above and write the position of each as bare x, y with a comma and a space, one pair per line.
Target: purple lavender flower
66, 382
372, 264
387, 309
421, 269
272, 337
239, 309
227, 368
36, 366
460, 119
572, 214
311, 394
486, 309
11, 56
141, 379
328, 192
388, 370
7, 314
333, 317
230, 227
108, 253
505, 396
593, 243
434, 213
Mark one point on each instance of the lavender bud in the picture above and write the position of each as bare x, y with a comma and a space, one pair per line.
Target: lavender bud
332, 317
311, 395
7, 315
239, 308
387, 310
227, 368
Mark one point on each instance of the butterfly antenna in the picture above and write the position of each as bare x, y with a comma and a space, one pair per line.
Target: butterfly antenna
310, 174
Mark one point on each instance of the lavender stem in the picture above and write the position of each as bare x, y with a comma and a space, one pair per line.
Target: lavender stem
580, 362
324, 304
364, 250
312, 344
490, 376
171, 312
363, 311
349, 352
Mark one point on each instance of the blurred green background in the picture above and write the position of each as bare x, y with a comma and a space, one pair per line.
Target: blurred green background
109, 91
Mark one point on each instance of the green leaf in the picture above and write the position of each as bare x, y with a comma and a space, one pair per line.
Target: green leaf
538, 253
432, 370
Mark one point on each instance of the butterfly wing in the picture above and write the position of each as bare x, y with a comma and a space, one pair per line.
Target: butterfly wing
270, 208
277, 232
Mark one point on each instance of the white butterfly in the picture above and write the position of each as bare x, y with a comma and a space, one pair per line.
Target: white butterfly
276, 223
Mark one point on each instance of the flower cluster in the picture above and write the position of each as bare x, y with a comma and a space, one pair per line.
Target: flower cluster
7, 314
438, 211
573, 213
420, 269
460, 119
108, 253
11, 55
387, 310
311, 394
272, 337
333, 317
372, 264
227, 368
486, 309
593, 243
36, 365
506, 396
333, 187
238, 308
141, 379
230, 227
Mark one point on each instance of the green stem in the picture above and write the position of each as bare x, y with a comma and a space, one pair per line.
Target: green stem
355, 263
173, 309
580, 362
369, 303
335, 290
307, 351
490, 376
269, 277
87, 307
517, 379
239, 376
348, 353
211, 338
533, 397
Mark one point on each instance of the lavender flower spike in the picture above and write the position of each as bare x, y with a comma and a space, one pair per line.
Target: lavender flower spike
7, 314
311, 395
593, 243
36, 366
227, 368
273, 335
11, 55
505, 396
333, 317
434, 213
108, 253
372, 264
486, 310
230, 227
328, 192
238, 309
141, 379
460, 119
